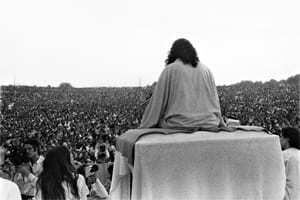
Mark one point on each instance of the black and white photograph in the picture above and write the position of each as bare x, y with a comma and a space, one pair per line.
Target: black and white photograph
149, 100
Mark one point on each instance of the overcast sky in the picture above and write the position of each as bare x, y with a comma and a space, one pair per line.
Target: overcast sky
124, 43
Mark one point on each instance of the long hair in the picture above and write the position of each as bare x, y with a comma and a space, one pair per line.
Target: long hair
183, 50
57, 168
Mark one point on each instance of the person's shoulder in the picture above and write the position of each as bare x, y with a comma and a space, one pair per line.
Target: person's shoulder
291, 154
3, 181
8, 184
203, 67
291, 151
80, 181
9, 190
176, 63
80, 178
175, 66
172, 66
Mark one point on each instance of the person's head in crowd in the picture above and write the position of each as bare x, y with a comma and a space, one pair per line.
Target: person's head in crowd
83, 170
104, 138
57, 168
2, 140
290, 138
32, 149
2, 149
277, 129
65, 144
182, 49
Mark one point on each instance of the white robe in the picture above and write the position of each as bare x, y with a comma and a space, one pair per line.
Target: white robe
291, 158
9, 190
184, 97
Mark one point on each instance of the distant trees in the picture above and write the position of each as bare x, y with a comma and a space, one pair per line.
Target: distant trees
294, 80
65, 85
272, 83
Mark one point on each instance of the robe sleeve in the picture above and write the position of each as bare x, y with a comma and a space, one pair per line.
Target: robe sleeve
158, 102
215, 98
215, 95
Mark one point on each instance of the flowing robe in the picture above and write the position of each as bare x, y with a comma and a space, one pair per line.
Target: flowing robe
184, 97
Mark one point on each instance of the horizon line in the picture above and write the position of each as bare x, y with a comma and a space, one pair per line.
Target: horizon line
30, 85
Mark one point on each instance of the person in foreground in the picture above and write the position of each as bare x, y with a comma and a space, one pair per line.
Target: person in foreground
27, 172
59, 179
290, 143
185, 95
96, 188
9, 190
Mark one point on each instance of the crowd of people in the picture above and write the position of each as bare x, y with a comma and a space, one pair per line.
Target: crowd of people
72, 116
272, 105
88, 120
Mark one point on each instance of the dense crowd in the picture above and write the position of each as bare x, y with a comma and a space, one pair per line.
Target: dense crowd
271, 105
87, 120
78, 117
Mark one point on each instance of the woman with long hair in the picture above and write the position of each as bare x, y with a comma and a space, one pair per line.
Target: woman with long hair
58, 179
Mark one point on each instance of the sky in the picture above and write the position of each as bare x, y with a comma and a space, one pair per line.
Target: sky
120, 43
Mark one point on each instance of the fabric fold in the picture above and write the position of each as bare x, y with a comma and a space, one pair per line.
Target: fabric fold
126, 142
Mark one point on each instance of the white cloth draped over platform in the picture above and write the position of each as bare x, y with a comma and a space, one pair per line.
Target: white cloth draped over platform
202, 165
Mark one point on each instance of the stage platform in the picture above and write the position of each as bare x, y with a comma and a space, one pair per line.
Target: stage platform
202, 165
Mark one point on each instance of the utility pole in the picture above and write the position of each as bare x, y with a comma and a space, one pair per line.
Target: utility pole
15, 85
140, 81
